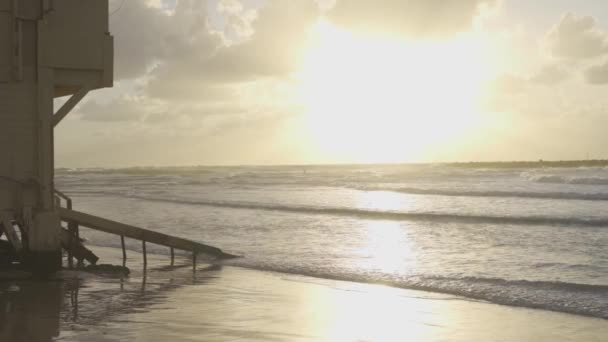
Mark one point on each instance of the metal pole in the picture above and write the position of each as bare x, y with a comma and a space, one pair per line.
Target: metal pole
70, 256
172, 257
194, 261
72, 227
77, 233
124, 251
143, 246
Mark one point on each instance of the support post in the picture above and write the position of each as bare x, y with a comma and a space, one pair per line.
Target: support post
172, 257
17, 44
70, 104
11, 234
72, 227
70, 256
76, 233
79, 252
143, 247
124, 250
193, 261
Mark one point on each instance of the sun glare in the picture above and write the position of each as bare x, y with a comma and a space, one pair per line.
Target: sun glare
371, 99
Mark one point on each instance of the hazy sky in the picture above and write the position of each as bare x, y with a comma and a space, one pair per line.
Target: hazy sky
304, 81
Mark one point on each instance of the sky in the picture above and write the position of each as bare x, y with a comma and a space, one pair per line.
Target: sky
257, 82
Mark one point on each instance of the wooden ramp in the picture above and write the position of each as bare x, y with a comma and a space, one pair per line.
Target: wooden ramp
145, 235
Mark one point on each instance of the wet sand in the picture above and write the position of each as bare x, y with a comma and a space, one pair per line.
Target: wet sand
232, 304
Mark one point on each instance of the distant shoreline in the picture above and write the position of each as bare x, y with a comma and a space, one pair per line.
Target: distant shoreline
471, 164
528, 164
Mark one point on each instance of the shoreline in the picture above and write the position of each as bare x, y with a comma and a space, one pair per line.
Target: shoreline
427, 289
505, 164
220, 303
469, 296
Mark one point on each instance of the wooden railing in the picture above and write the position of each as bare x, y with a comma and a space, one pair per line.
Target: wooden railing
144, 235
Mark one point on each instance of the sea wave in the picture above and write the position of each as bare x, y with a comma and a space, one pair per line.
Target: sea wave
513, 194
567, 297
581, 299
560, 179
390, 215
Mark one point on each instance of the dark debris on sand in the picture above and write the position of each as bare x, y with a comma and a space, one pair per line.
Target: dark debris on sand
108, 270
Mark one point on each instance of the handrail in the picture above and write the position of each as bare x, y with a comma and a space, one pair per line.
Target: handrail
73, 229
11, 179
121, 229
68, 200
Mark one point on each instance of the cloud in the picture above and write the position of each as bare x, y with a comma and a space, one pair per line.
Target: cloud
280, 30
189, 77
123, 109
145, 35
189, 59
577, 37
169, 84
549, 75
509, 84
597, 74
408, 17
139, 38
237, 19
513, 93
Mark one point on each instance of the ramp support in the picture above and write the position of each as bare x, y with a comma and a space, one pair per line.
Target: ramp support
145, 254
124, 251
144, 235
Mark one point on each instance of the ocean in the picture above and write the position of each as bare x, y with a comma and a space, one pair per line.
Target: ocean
529, 236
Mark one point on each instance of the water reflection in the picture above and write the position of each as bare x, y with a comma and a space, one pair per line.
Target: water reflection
376, 313
34, 310
30, 311
384, 201
387, 247
249, 305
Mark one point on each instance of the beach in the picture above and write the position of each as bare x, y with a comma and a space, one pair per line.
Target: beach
528, 237
320, 170
335, 253
224, 303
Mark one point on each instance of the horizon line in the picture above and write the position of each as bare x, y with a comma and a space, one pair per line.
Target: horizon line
562, 162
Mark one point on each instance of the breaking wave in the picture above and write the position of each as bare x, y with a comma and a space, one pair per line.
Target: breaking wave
557, 179
392, 215
580, 299
513, 194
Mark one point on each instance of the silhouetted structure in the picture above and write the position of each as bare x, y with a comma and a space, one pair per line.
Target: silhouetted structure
49, 49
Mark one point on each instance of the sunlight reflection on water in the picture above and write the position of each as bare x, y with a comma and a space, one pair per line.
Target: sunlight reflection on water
386, 244
388, 247
378, 314
383, 201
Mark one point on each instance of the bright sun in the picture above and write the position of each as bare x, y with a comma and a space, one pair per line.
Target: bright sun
371, 99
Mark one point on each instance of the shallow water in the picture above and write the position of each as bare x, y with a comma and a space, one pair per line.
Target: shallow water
222, 303
524, 237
